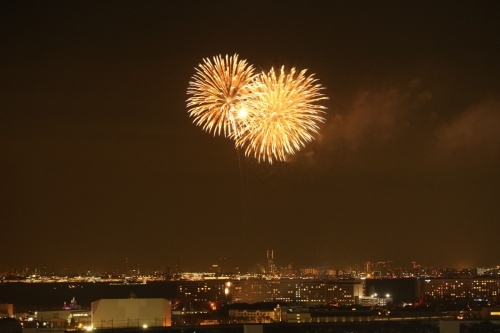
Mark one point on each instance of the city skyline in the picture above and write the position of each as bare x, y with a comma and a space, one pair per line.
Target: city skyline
262, 266
100, 160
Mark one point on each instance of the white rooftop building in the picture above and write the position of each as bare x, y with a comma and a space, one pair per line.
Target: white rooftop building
132, 312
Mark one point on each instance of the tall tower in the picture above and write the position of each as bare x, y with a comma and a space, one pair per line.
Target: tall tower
271, 268
368, 269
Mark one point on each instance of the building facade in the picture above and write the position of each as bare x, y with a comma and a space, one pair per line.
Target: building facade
252, 316
301, 291
470, 289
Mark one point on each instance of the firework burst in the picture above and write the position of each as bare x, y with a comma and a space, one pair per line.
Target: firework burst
281, 114
216, 89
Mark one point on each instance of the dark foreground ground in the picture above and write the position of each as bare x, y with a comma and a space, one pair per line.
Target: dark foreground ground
413, 326
402, 327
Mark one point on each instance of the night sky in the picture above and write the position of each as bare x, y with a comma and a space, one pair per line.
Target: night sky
100, 161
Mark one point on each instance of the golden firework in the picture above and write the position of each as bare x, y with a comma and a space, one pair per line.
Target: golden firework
216, 90
281, 114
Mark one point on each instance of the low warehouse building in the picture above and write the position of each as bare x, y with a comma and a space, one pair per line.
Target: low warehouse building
133, 312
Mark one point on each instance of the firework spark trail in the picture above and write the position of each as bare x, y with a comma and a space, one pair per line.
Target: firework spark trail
281, 114
216, 90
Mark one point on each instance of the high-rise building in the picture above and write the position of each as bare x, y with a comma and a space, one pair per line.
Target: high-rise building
249, 291
477, 289
202, 291
310, 292
271, 268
